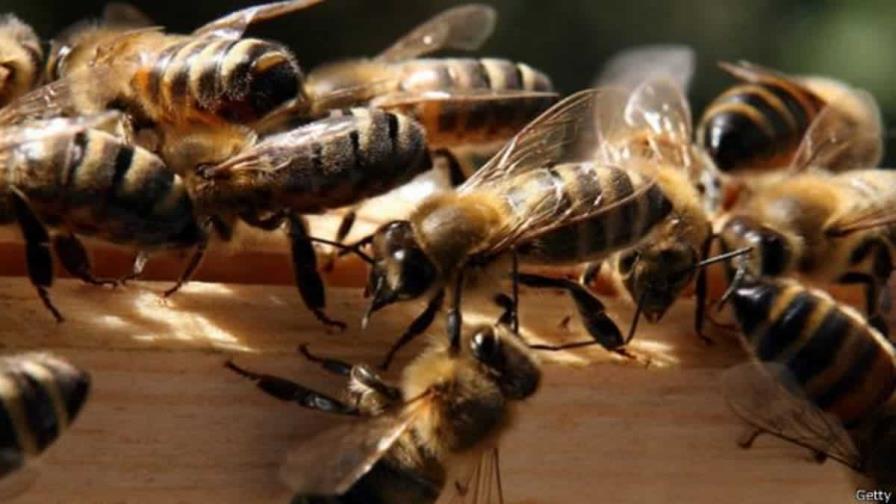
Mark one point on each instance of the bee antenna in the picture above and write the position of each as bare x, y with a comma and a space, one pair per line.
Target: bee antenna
565, 346
353, 249
739, 277
634, 326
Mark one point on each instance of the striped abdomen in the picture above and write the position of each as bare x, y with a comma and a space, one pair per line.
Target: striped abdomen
93, 183
40, 395
842, 364
464, 117
631, 209
237, 80
757, 125
330, 163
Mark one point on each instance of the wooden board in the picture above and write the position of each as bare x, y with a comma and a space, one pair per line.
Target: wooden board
167, 423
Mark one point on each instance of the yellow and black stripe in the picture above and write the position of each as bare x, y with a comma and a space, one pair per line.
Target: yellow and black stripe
627, 217
757, 125
843, 365
40, 395
237, 80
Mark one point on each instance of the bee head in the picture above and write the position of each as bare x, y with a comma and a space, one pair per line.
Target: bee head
773, 249
656, 276
401, 270
507, 360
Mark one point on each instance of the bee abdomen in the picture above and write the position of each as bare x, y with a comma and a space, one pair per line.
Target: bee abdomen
841, 363
40, 395
374, 152
631, 205
757, 125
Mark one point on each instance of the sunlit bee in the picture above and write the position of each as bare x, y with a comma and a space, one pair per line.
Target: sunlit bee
434, 433
40, 396
826, 228
528, 202
822, 377
62, 175
773, 121
21, 57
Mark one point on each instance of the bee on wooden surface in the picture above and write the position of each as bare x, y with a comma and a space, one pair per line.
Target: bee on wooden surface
63, 175
459, 101
821, 376
434, 433
533, 201
40, 396
825, 227
330, 163
773, 121
21, 57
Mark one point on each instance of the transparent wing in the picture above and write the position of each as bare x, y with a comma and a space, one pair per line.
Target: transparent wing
765, 396
861, 220
553, 137
427, 104
332, 461
125, 14
632, 67
234, 25
465, 27
751, 72
277, 151
12, 136
836, 141
475, 480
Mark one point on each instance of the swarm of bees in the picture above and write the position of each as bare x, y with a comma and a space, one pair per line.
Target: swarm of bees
123, 132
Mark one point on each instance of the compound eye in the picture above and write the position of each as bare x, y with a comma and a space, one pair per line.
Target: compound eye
774, 253
417, 272
485, 346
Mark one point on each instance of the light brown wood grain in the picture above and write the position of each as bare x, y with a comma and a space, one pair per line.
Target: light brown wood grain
167, 423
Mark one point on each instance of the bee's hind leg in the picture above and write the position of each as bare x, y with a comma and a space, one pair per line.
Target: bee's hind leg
37, 250
76, 260
308, 280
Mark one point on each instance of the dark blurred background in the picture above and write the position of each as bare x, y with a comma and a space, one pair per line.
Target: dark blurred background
852, 40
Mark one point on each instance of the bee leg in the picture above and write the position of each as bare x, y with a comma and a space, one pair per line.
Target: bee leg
37, 250
455, 171
345, 227
76, 261
286, 390
304, 262
701, 291
193, 264
455, 321
506, 303
875, 289
334, 366
136, 268
591, 310
420, 324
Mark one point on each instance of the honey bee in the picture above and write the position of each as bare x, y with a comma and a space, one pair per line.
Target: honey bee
772, 121
64, 175
532, 202
821, 376
330, 163
459, 101
435, 433
824, 227
21, 57
40, 396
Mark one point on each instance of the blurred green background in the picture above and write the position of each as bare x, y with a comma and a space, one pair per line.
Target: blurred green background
853, 40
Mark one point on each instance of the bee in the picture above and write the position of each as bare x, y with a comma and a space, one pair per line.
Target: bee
21, 57
824, 227
435, 432
64, 175
821, 376
771, 121
645, 115
330, 163
459, 101
40, 396
533, 202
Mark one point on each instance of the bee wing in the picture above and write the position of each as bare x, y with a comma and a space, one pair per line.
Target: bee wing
632, 67
234, 25
860, 220
831, 135
507, 100
277, 151
332, 461
12, 136
766, 396
465, 27
553, 137
125, 14
751, 72
475, 480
